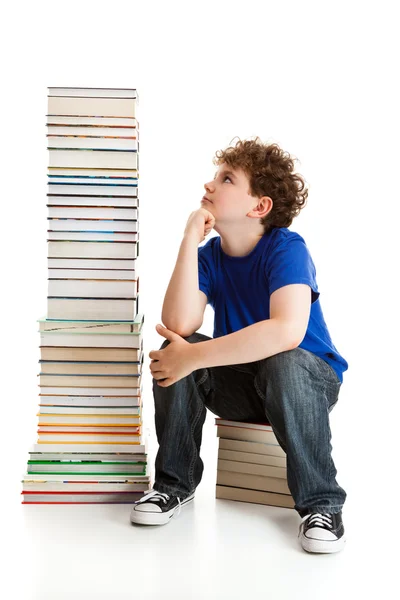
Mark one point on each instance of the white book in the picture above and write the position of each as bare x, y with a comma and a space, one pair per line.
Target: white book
91, 438
92, 288
110, 159
90, 340
250, 457
92, 121
94, 92
128, 274
93, 381
92, 180
92, 212
92, 448
59, 249
115, 477
93, 130
103, 456
93, 172
95, 340
93, 402
84, 498
63, 141
74, 429
89, 394
71, 200
92, 308
91, 263
251, 468
83, 487
80, 106
71, 326
88, 412
90, 189
92, 236
63, 224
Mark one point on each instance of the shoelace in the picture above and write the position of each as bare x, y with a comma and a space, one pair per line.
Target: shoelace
155, 496
324, 519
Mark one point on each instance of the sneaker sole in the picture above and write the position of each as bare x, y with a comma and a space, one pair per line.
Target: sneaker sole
155, 518
322, 546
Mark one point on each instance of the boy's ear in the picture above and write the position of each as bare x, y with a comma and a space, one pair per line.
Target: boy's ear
264, 203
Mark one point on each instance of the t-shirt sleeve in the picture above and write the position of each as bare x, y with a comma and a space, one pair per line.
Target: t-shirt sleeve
205, 278
291, 262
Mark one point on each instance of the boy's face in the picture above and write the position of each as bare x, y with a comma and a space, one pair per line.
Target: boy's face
229, 200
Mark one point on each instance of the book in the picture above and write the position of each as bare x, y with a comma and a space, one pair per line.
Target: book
76, 353
91, 263
88, 392
251, 468
241, 433
89, 158
56, 486
97, 429
97, 339
90, 368
92, 308
126, 274
76, 411
78, 498
45, 467
262, 448
92, 288
55, 198
251, 458
100, 142
96, 250
92, 381
128, 449
114, 225
91, 130
253, 482
94, 92
254, 496
86, 193
94, 438
80, 420
89, 401
92, 106
90, 121
92, 236
92, 212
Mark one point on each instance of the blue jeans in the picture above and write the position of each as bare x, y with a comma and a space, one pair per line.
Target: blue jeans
294, 391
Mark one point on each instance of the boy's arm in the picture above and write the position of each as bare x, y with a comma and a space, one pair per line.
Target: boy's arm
184, 304
284, 330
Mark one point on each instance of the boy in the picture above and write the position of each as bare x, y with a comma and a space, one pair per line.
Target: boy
271, 357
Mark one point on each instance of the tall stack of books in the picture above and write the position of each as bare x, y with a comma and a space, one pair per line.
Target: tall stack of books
91, 446
251, 464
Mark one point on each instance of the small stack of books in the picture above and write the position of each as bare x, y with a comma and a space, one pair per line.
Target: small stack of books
251, 464
91, 446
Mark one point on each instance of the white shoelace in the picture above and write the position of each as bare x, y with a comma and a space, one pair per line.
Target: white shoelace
324, 519
154, 495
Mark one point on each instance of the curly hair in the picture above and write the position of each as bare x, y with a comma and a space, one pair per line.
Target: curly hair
270, 173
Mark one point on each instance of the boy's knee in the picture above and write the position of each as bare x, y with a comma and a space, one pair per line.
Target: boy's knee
192, 339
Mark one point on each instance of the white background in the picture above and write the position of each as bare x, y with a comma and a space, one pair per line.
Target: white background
320, 79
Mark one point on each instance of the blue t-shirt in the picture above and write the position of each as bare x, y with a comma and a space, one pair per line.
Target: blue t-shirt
239, 287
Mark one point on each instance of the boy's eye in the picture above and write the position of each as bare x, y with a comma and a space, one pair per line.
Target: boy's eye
227, 177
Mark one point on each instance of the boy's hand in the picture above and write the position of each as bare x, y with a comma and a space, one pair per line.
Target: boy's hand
174, 362
200, 223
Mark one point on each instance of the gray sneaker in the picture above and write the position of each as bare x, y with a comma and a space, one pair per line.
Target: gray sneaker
157, 508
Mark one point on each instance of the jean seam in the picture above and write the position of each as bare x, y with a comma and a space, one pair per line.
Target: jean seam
192, 428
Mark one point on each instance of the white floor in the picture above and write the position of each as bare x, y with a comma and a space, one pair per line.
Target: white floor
214, 548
